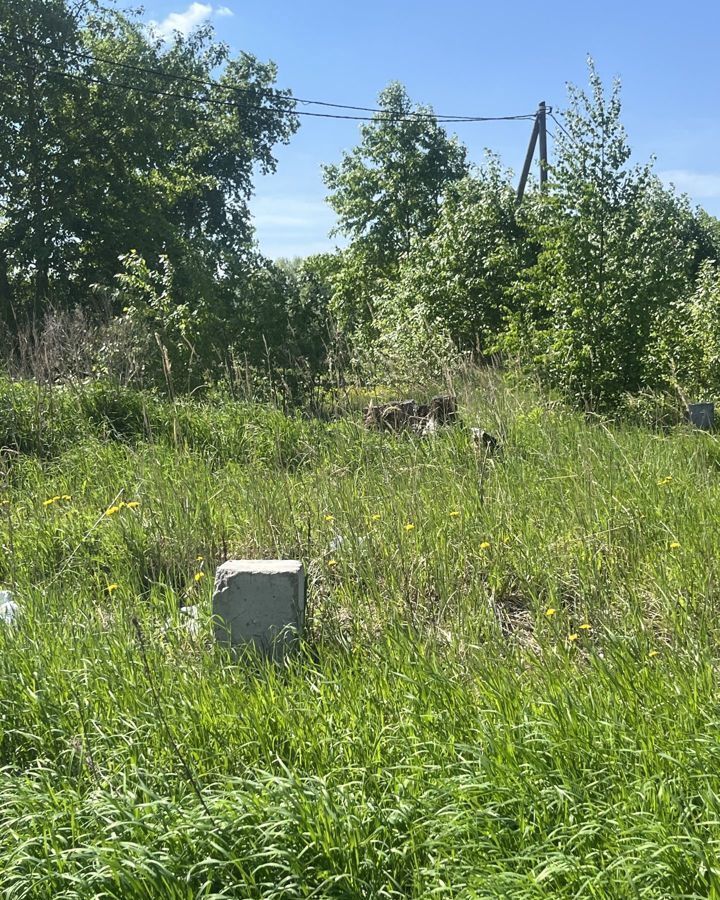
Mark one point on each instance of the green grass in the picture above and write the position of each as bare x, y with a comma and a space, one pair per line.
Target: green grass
439, 735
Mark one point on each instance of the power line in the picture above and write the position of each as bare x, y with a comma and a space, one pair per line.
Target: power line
563, 129
273, 96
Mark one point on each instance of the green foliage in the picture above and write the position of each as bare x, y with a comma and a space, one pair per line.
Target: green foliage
465, 270
389, 188
96, 164
387, 192
616, 250
441, 734
685, 351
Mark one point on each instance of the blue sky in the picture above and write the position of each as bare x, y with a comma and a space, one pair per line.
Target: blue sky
472, 58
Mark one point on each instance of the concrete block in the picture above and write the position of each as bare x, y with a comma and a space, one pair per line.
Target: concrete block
702, 415
260, 602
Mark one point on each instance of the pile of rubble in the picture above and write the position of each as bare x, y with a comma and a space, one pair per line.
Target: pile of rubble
421, 419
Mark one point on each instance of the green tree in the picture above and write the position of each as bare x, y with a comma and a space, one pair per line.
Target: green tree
387, 192
684, 352
464, 271
617, 249
116, 142
389, 188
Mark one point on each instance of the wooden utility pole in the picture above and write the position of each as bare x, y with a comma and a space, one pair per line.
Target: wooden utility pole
539, 131
542, 134
528, 160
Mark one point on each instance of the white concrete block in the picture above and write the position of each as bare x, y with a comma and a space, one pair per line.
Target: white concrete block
9, 609
259, 602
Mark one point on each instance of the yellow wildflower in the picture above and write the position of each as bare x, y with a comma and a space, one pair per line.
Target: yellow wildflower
653, 653
375, 517
110, 511
200, 558
133, 504
199, 576
586, 626
485, 545
454, 513
331, 563
550, 612
51, 500
674, 545
329, 518
409, 526
112, 587
573, 637
666, 480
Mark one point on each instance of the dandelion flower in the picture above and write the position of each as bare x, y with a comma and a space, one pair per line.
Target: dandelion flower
329, 518
674, 545
110, 511
199, 576
586, 626
112, 587
485, 545
376, 517
550, 612
409, 526
331, 563
573, 637
454, 514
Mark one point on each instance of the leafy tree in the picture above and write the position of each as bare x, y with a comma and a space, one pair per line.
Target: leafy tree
312, 325
616, 250
464, 271
707, 236
389, 188
114, 142
684, 352
387, 192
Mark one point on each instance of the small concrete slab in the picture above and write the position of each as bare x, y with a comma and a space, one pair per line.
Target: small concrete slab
702, 415
260, 603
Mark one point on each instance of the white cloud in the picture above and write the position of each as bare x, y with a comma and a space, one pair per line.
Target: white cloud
184, 22
696, 184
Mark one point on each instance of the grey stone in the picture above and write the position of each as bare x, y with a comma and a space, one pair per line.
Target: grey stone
260, 603
702, 415
9, 609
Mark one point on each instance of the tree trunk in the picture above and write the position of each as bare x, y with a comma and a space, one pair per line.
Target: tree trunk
7, 309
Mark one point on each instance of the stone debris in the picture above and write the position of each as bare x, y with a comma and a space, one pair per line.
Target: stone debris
402, 415
484, 440
423, 419
9, 608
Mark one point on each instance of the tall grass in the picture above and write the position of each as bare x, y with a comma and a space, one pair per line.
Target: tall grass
508, 687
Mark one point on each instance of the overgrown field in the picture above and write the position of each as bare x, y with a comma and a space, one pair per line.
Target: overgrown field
509, 686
